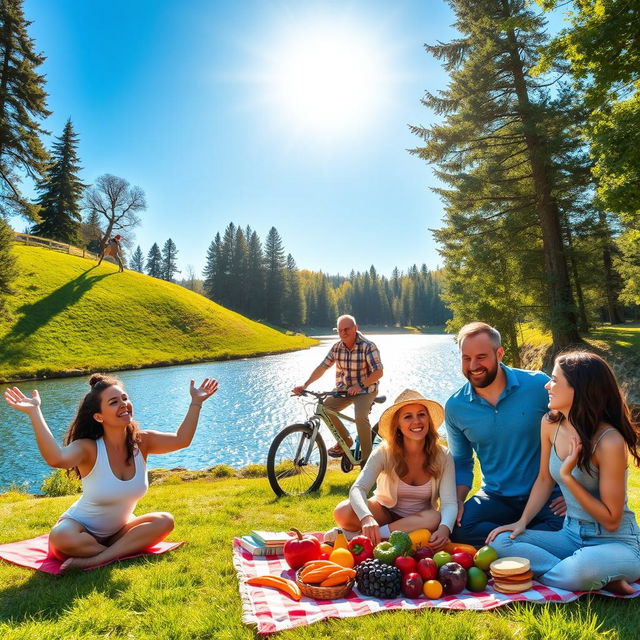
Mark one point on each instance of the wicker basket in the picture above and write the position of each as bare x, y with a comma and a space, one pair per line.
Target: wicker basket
324, 593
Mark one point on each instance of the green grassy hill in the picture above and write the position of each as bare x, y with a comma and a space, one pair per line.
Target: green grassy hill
68, 315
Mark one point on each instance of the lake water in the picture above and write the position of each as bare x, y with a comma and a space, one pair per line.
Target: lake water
238, 423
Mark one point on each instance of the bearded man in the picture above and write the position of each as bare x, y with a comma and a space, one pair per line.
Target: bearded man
497, 415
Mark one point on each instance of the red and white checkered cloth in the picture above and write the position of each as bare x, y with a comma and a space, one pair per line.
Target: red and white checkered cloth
271, 611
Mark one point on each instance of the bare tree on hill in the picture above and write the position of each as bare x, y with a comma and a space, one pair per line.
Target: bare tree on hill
117, 201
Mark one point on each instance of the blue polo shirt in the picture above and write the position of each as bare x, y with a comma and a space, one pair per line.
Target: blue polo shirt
506, 438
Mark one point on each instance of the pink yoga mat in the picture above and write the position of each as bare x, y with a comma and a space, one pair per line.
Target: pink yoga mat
34, 554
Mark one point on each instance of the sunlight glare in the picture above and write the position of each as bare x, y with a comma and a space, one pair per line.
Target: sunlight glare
327, 79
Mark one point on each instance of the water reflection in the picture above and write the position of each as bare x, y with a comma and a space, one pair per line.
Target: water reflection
238, 423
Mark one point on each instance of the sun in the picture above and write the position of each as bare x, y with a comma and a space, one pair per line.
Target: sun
326, 78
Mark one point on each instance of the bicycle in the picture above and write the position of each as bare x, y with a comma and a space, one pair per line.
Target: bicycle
297, 458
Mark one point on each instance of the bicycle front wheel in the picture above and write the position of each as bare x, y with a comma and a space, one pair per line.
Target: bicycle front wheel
290, 471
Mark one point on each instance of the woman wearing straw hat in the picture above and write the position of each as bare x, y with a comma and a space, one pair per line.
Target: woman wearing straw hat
411, 471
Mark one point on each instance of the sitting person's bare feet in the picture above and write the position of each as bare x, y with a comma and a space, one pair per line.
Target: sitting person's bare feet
78, 563
620, 586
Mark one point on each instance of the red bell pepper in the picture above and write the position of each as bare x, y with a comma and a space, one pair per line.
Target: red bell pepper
299, 550
361, 548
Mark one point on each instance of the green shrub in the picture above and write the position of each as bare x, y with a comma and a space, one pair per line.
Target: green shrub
222, 471
253, 471
59, 483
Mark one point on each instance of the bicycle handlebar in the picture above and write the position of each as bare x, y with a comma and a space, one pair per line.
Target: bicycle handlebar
322, 395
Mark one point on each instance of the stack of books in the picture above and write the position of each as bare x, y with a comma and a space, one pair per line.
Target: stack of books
265, 543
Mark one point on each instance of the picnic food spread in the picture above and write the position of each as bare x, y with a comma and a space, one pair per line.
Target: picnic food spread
403, 564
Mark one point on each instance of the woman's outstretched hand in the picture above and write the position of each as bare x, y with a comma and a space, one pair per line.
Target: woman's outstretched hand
516, 529
199, 394
18, 401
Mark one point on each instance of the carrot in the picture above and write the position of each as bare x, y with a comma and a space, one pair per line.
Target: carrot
315, 564
318, 575
281, 584
338, 577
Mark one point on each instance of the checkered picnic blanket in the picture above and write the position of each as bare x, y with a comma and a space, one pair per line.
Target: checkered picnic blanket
271, 611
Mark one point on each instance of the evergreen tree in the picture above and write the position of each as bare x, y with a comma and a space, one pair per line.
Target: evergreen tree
61, 191
275, 266
494, 150
294, 301
602, 49
92, 232
169, 260
238, 273
154, 261
256, 300
209, 272
7, 264
22, 104
137, 260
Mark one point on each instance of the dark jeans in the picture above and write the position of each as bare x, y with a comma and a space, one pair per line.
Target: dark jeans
484, 512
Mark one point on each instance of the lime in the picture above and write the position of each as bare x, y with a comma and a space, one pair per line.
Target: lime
476, 579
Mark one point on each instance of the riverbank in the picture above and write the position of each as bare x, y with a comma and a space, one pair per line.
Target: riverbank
69, 317
618, 344
193, 592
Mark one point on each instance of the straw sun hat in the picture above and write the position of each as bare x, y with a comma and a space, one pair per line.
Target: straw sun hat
436, 412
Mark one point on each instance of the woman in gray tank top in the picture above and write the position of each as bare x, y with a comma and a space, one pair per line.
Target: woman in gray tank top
586, 440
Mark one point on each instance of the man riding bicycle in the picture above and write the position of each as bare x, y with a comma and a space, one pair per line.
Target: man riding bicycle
358, 369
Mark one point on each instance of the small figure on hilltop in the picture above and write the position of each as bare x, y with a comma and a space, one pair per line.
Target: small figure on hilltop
113, 249
109, 452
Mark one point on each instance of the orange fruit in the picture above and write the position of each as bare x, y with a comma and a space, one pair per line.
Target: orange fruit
432, 589
326, 548
343, 557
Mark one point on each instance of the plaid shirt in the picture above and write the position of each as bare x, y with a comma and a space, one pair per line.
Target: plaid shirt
353, 367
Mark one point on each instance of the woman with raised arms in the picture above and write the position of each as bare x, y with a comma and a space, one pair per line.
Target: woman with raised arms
107, 450
586, 439
412, 474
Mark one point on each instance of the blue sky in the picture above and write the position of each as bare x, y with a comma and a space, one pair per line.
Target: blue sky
202, 104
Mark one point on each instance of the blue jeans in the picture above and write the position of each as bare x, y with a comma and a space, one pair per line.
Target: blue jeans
484, 512
582, 556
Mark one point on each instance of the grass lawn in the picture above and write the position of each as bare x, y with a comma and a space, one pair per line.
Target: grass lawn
192, 593
70, 316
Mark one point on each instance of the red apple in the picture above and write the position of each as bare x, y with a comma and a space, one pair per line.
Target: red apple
427, 568
406, 564
463, 558
412, 585
423, 552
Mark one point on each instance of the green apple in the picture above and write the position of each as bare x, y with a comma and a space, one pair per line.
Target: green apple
442, 557
484, 557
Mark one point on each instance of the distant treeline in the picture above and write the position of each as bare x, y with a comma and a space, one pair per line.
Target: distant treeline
257, 280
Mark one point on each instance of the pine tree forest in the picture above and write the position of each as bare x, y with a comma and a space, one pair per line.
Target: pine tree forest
262, 284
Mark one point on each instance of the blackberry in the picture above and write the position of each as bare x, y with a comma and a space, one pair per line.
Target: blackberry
373, 578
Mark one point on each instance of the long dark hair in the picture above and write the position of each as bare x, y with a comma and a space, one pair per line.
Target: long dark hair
597, 398
84, 425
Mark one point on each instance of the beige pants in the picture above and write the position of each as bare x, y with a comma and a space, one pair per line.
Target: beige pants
362, 404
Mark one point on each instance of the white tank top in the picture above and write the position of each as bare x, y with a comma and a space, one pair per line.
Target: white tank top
107, 503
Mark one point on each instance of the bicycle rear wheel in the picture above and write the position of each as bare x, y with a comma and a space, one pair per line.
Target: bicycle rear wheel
288, 473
